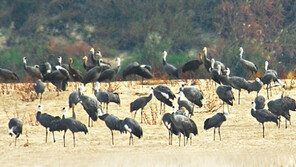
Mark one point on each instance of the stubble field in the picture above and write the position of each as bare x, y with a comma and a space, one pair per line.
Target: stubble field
242, 143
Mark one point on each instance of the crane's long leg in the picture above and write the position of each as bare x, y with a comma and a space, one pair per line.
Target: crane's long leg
40, 98
286, 123
141, 115
160, 108
267, 91
263, 129
179, 136
88, 121
135, 114
112, 137
64, 138
164, 107
169, 137
46, 132
130, 138
107, 108
53, 137
238, 96
184, 140
214, 133
190, 140
219, 133
270, 90
73, 139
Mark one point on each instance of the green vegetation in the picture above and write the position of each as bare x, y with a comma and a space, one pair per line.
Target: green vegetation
143, 29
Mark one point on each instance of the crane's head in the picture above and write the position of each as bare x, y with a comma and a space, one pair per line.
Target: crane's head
97, 85
226, 112
36, 66
81, 89
101, 60
85, 58
183, 84
241, 49
40, 107
212, 63
99, 54
118, 61
65, 110
174, 109
25, 60
60, 59
200, 55
219, 69
205, 50
165, 53
151, 90
266, 65
253, 105
10, 131
71, 60
92, 51
227, 71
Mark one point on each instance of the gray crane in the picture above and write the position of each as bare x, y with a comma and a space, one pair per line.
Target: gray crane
45, 120
238, 83
215, 73
193, 65
183, 125
225, 94
113, 123
74, 98
215, 122
110, 74
248, 66
132, 126
267, 78
281, 107
8, 76
263, 116
73, 125
75, 74
33, 71
90, 105
39, 88
193, 94
140, 103
206, 60
134, 68
92, 75
183, 102
15, 127
259, 102
255, 86
106, 96
58, 77
164, 95
218, 63
85, 65
170, 70
269, 70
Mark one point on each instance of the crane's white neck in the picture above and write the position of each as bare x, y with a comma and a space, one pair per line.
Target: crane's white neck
228, 72
253, 105
118, 61
241, 52
165, 53
259, 81
65, 109
266, 65
212, 63
40, 108
24, 60
60, 60
97, 86
150, 90
219, 69
10, 131
174, 109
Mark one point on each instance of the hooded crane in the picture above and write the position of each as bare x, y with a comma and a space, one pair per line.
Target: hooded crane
215, 122
192, 65
225, 94
267, 78
218, 63
164, 95
65, 66
184, 125
15, 127
45, 68
113, 123
33, 71
39, 88
215, 73
105, 96
183, 102
263, 116
144, 71
8, 76
45, 120
140, 103
75, 74
92, 75
238, 83
255, 86
95, 61
206, 60
85, 65
281, 107
73, 125
132, 126
193, 94
171, 70
110, 74
90, 105
74, 99
247, 65
58, 78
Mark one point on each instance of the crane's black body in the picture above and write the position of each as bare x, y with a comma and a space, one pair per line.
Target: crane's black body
8, 76
225, 94
215, 122
140, 103
260, 102
132, 126
15, 128
39, 88
164, 95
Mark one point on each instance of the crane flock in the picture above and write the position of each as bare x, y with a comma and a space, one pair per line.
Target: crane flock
178, 122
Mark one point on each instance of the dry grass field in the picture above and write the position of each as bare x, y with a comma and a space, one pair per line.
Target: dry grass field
242, 143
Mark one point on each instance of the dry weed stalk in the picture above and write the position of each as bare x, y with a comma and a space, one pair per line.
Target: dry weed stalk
211, 100
26, 91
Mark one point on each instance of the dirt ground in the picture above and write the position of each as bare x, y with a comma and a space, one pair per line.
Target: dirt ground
242, 143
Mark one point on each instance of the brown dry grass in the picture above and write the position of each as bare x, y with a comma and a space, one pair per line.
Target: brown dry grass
242, 143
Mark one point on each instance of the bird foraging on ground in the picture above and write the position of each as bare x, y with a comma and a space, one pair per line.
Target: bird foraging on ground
15, 128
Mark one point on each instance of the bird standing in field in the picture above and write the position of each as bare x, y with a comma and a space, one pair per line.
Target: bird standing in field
193, 94
193, 65
45, 120
106, 97
75, 74
85, 65
226, 95
164, 95
113, 123
183, 102
170, 70
259, 102
39, 88
134, 68
33, 71
255, 86
263, 116
215, 122
73, 125
92, 75
247, 65
132, 126
238, 83
206, 60
140, 103
15, 128
110, 74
